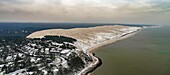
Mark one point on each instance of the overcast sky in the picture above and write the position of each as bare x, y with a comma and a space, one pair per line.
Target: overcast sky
108, 11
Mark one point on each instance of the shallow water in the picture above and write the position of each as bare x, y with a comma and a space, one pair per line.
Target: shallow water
146, 53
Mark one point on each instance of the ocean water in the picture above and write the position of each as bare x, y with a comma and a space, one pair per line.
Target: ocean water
146, 53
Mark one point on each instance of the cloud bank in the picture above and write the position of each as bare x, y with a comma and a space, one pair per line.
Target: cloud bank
83, 10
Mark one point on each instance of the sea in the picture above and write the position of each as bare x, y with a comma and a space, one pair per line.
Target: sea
145, 53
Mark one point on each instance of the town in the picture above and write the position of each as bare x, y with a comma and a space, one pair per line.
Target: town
48, 55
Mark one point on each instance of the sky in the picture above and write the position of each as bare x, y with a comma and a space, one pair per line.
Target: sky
86, 11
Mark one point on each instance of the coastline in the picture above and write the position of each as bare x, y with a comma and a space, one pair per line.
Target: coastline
90, 39
98, 61
91, 50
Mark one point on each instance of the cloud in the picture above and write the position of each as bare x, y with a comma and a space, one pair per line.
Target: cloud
79, 10
15, 1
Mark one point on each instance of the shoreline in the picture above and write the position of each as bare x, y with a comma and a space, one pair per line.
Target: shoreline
98, 60
91, 50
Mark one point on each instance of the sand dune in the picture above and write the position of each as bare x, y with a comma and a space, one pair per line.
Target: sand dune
88, 39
